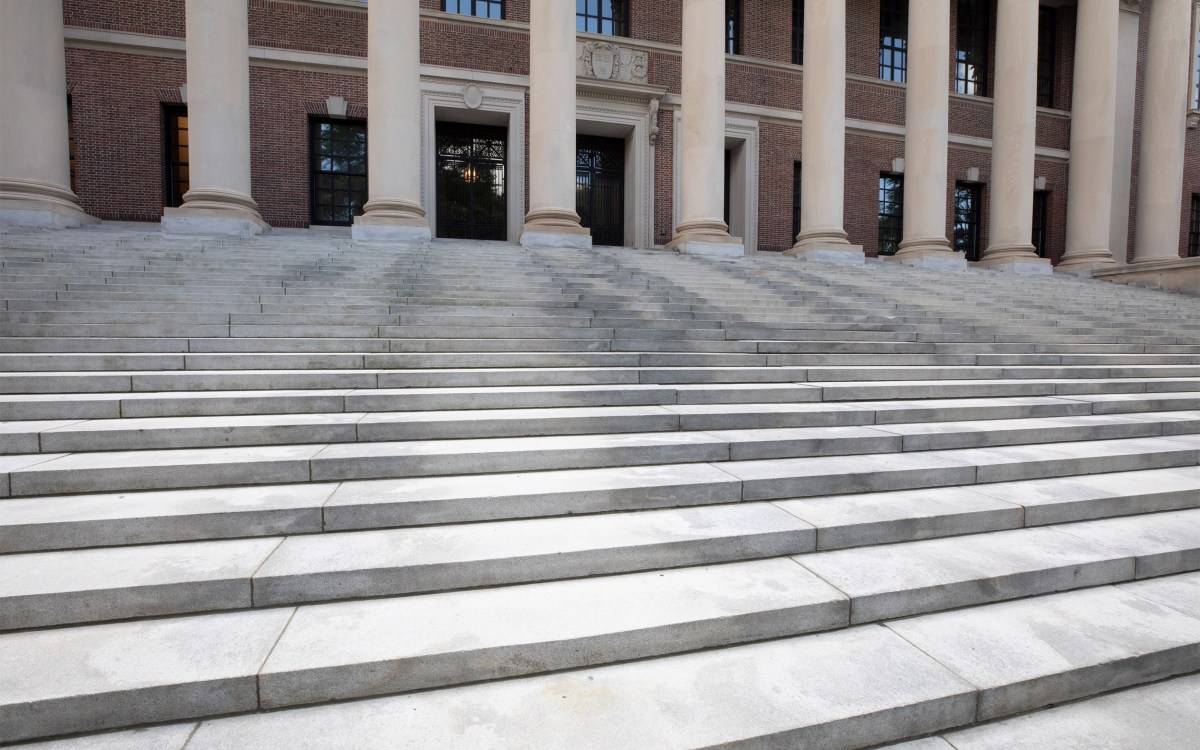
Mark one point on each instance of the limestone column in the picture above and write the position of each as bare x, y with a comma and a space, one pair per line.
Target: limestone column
823, 148
35, 168
1164, 126
926, 137
1127, 55
1014, 123
1093, 132
393, 210
701, 229
218, 85
552, 220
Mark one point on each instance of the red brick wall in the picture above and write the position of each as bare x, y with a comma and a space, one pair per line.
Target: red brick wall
309, 28
778, 152
279, 136
158, 17
117, 122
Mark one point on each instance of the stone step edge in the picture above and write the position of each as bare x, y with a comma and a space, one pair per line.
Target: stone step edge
247, 726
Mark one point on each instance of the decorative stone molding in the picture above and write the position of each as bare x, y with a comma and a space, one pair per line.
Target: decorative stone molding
653, 122
610, 63
1193, 119
472, 96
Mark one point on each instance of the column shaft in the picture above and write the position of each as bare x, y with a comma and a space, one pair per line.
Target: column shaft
393, 211
552, 219
701, 227
926, 136
35, 170
1093, 132
1164, 127
1127, 55
1014, 124
823, 148
218, 86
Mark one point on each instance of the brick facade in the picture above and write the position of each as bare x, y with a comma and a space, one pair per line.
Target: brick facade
117, 104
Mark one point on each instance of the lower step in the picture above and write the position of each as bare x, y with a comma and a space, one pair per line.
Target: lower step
892, 682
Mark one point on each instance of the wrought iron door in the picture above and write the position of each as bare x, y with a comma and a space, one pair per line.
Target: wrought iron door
472, 201
600, 188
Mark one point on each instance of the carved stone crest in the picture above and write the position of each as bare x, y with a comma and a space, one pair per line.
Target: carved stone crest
609, 62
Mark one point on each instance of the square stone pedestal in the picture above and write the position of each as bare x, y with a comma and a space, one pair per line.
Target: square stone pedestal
1031, 266
390, 232
939, 260
224, 223
555, 239
842, 255
728, 251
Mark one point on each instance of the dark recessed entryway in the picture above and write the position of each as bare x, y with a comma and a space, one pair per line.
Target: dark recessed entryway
600, 188
472, 199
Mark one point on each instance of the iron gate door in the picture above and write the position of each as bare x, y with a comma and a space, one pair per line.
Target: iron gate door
600, 188
472, 202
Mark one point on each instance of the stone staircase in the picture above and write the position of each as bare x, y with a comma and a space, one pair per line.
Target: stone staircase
294, 492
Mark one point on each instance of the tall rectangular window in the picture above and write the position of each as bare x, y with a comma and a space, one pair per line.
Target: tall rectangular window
1041, 220
733, 27
1194, 228
1047, 32
609, 17
971, 54
71, 143
797, 177
338, 170
891, 212
967, 196
893, 40
176, 175
480, 8
797, 32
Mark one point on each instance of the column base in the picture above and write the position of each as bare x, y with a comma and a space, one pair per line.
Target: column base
554, 227
1015, 259
391, 219
707, 238
42, 205
929, 253
827, 246
214, 212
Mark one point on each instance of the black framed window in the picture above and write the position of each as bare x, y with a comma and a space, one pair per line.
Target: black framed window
797, 32
176, 175
71, 143
733, 27
1041, 221
971, 54
891, 212
481, 8
728, 185
1194, 228
609, 17
337, 170
967, 199
797, 182
893, 40
1047, 33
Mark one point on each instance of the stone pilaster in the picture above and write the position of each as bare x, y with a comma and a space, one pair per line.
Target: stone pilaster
701, 229
926, 138
218, 81
35, 168
823, 148
552, 219
393, 210
1164, 127
1014, 125
1093, 132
